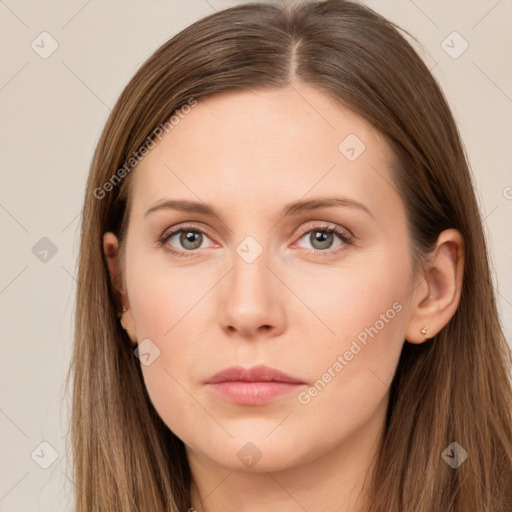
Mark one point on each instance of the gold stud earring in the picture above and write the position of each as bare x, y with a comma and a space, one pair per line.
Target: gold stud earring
424, 331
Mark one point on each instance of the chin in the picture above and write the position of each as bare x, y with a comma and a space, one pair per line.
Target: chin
258, 455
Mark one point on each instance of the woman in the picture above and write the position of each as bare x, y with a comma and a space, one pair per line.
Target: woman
284, 294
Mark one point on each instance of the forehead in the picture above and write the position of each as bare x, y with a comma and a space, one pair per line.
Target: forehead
264, 142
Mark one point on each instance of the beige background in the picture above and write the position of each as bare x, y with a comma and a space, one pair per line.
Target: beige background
53, 110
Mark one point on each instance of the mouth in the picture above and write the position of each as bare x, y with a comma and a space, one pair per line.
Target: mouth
254, 386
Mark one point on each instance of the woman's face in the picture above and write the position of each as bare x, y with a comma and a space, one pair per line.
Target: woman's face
258, 281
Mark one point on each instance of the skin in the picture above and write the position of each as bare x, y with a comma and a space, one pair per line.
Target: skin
248, 154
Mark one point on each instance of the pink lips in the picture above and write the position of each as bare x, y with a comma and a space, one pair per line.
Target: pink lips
254, 386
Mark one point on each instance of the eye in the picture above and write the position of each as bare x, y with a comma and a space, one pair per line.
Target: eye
323, 237
187, 239
183, 241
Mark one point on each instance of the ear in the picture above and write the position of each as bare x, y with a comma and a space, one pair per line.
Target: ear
111, 250
437, 294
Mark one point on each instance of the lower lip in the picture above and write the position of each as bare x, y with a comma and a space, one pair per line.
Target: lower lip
252, 393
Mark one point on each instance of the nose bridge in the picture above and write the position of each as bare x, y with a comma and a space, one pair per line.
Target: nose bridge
250, 277
252, 298
250, 259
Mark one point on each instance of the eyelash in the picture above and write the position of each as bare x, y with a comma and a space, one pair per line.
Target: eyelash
346, 238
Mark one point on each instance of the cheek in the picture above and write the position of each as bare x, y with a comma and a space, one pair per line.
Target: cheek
350, 373
362, 297
364, 310
168, 308
162, 318
161, 297
367, 335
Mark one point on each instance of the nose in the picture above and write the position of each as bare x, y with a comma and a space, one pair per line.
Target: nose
252, 300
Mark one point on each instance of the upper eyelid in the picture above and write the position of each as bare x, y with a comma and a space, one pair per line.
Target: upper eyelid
327, 226
183, 227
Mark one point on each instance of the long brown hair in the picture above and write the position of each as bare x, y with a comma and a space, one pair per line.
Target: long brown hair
453, 388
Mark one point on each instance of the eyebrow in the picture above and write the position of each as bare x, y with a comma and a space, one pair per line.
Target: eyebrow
293, 208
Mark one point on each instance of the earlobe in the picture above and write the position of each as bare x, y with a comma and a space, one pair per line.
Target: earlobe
437, 299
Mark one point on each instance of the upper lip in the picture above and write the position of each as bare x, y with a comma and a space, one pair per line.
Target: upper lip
258, 373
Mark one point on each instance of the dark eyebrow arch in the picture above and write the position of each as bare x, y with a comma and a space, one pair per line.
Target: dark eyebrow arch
293, 208
297, 207
184, 206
